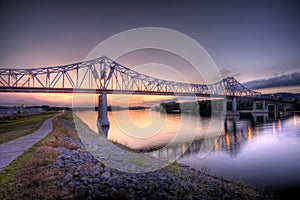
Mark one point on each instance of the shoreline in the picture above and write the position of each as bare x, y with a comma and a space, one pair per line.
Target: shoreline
61, 167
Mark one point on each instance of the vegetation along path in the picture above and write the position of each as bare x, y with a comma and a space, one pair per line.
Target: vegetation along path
18, 125
11, 150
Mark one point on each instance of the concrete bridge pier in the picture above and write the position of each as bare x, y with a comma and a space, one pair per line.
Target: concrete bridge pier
233, 111
262, 109
275, 106
102, 111
284, 107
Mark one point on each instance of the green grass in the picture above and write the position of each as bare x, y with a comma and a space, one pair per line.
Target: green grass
27, 176
19, 126
10, 174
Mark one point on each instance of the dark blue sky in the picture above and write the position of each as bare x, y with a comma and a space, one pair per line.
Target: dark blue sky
248, 39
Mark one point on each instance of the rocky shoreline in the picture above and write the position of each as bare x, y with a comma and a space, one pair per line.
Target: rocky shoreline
84, 177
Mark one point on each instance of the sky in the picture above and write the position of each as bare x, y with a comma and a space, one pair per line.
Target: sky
255, 41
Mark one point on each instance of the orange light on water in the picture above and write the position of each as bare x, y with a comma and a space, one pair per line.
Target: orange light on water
257, 131
249, 134
274, 128
227, 140
295, 120
142, 121
216, 145
279, 125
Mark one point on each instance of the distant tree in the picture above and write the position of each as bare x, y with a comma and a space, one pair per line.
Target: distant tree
46, 107
170, 106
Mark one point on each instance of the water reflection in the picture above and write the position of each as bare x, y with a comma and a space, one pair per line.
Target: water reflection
279, 125
237, 133
260, 118
216, 145
227, 139
255, 152
256, 131
257, 149
249, 133
274, 128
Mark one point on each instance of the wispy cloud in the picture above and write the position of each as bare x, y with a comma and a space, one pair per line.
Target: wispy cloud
11, 99
292, 79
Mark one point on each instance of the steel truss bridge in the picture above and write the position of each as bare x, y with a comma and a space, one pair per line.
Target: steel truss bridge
103, 75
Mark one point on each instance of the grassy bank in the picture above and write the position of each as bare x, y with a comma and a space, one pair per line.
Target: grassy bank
28, 177
17, 126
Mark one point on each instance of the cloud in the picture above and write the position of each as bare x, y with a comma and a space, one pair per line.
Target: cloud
10, 99
292, 79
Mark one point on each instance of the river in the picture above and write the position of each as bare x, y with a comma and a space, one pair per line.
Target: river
259, 150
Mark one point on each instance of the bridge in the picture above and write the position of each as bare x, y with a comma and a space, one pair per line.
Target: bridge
104, 76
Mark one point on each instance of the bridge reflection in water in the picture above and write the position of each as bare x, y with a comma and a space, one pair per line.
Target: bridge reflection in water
237, 131
248, 150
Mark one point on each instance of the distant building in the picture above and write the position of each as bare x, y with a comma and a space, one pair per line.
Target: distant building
31, 110
5, 111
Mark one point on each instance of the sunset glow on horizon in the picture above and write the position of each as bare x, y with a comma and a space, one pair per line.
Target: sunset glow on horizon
59, 99
261, 47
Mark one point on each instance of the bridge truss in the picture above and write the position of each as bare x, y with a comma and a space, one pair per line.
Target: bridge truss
103, 75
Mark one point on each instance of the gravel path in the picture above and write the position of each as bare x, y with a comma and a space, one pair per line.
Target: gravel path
11, 150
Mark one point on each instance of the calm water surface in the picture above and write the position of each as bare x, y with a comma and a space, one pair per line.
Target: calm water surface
258, 150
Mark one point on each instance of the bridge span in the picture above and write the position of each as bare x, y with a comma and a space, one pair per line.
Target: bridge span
104, 76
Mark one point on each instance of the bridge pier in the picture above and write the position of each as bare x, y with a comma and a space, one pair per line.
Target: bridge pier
233, 111
275, 106
262, 109
284, 107
102, 110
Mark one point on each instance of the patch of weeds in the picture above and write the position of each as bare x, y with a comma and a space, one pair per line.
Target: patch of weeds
30, 176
